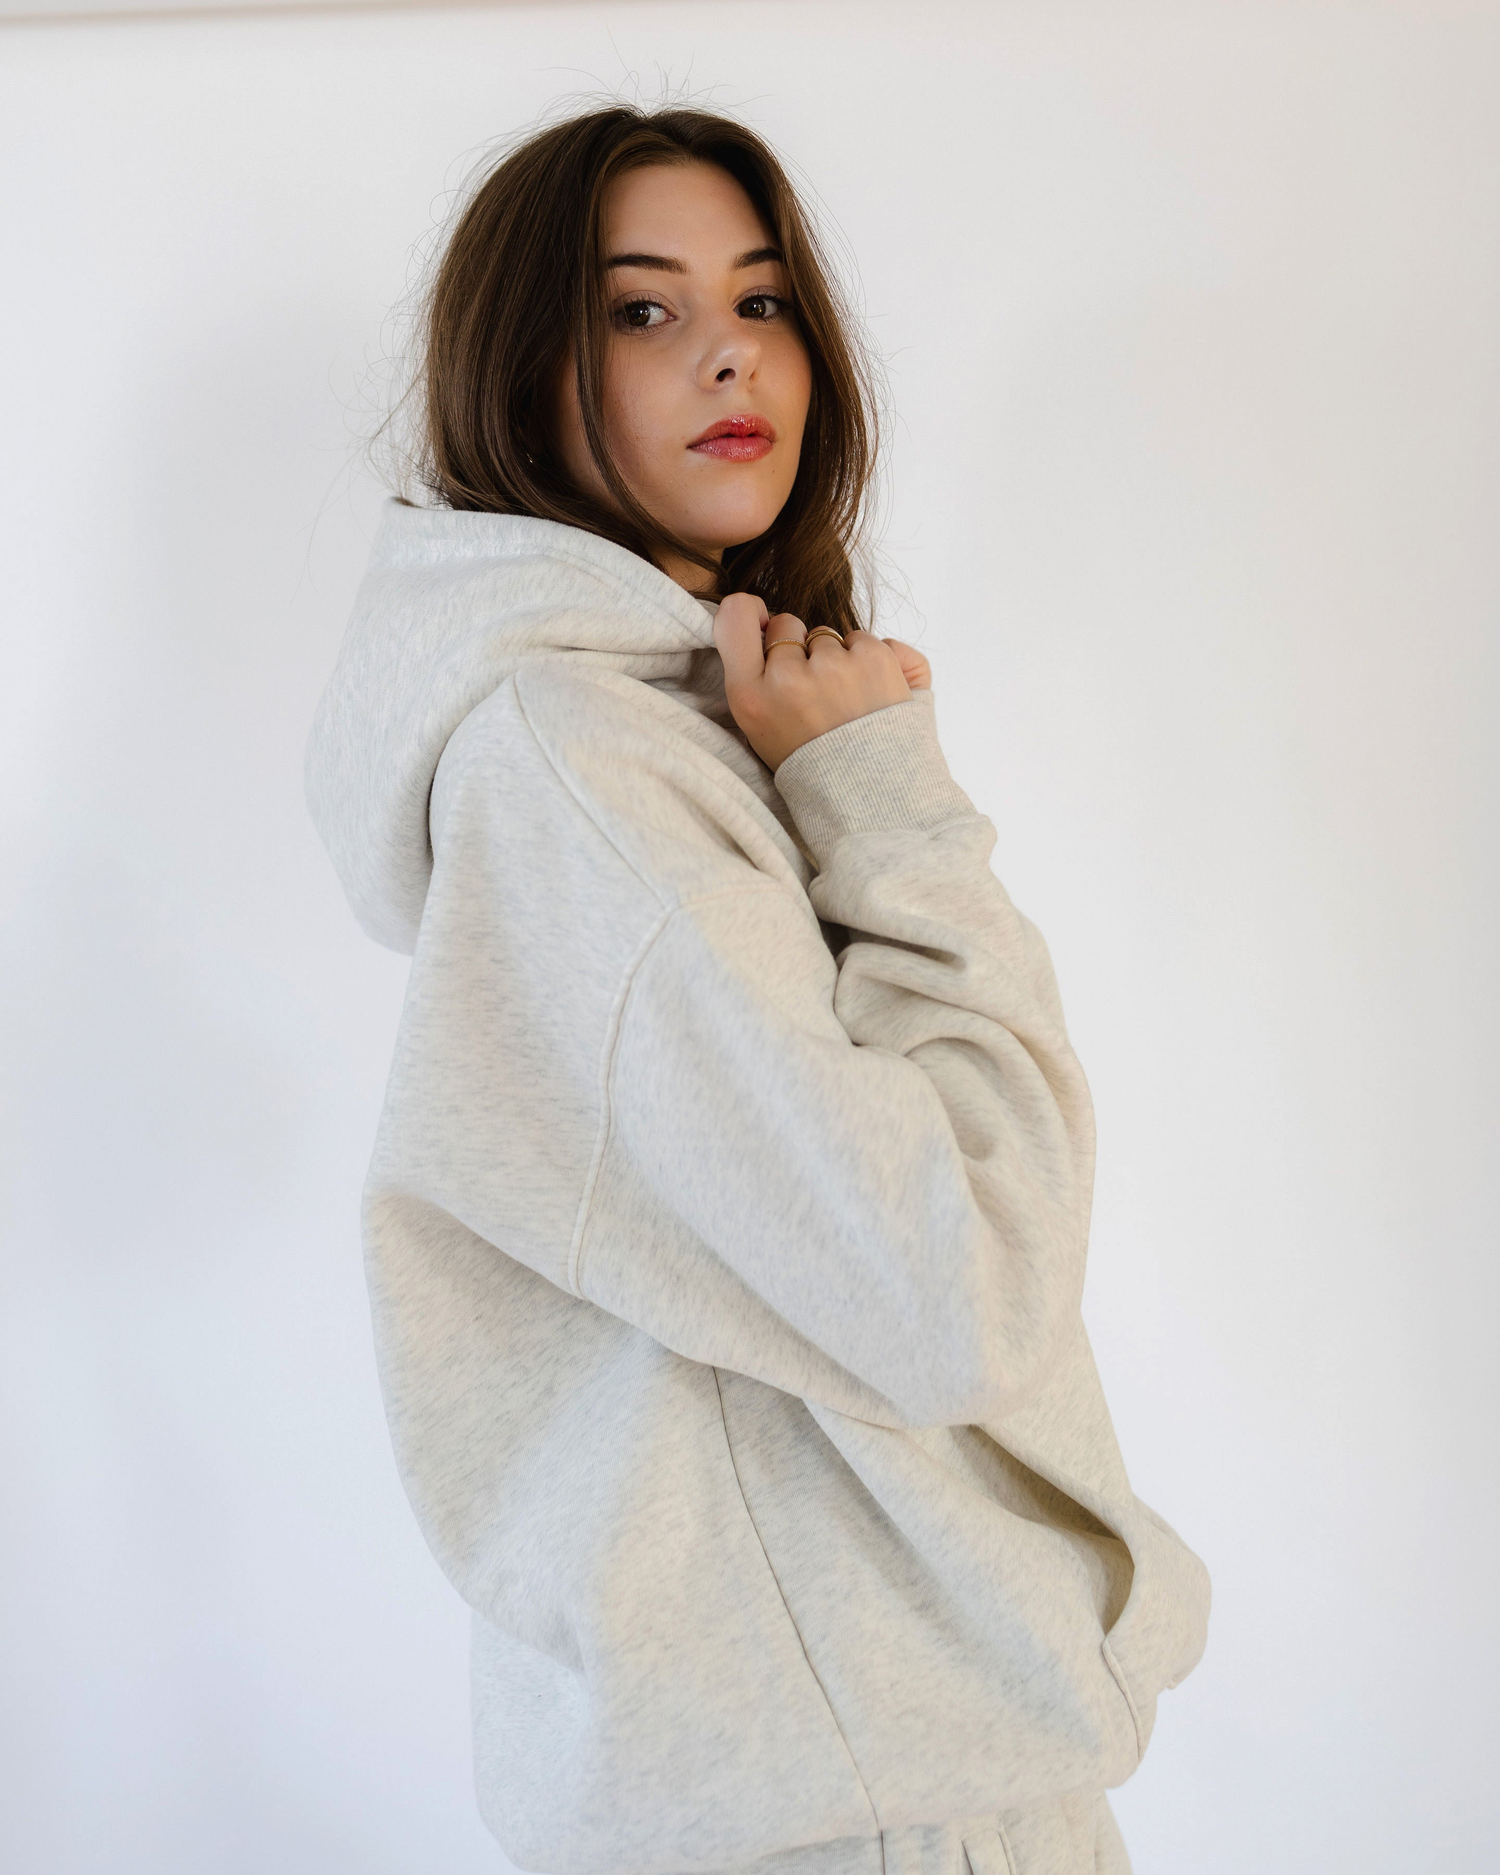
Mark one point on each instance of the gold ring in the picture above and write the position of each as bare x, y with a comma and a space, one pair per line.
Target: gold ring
824, 628
782, 641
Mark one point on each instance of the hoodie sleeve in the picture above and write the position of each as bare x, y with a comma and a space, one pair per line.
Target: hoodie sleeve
887, 1155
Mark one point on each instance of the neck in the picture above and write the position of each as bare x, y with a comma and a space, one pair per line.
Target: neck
692, 578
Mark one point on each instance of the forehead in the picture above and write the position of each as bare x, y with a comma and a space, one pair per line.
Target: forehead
691, 211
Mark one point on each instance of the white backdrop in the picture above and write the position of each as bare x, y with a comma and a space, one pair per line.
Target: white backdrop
1192, 322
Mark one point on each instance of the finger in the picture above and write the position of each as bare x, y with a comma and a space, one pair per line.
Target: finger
738, 624
914, 667
779, 628
824, 650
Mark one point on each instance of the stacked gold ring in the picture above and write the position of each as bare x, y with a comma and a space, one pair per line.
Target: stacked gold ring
804, 642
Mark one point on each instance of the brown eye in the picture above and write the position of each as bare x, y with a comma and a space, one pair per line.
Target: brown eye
760, 306
637, 315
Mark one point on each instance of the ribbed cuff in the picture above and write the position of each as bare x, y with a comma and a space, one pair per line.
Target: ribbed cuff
884, 770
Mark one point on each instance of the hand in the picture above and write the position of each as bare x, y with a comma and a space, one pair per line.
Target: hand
914, 667
783, 698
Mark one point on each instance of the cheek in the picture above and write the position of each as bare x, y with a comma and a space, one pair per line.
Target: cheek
636, 411
795, 371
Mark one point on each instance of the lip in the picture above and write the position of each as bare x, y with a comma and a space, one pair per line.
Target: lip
736, 439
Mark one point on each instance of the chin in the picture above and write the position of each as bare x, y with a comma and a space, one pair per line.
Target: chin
731, 529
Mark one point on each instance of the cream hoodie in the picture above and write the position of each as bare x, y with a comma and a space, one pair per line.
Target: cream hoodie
725, 1235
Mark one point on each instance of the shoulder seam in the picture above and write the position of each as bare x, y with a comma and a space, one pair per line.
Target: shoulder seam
589, 814
606, 1101
608, 1055
667, 910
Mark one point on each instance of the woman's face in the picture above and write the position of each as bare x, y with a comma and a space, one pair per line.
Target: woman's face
707, 380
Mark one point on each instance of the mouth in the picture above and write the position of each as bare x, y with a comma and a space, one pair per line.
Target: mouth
736, 439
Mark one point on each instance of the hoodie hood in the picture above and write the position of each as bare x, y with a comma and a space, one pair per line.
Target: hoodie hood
450, 607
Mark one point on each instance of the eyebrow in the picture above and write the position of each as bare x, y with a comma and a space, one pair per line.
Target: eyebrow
662, 263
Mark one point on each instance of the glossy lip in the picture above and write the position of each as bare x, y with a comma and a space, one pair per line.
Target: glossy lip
736, 439
748, 425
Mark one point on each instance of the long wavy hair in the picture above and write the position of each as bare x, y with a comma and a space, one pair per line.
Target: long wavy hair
521, 279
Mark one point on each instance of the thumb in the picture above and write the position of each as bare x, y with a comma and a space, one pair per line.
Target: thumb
914, 667
737, 632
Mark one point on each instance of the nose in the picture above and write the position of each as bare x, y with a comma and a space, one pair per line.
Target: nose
731, 355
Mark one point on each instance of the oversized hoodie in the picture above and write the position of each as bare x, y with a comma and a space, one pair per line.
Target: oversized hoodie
725, 1237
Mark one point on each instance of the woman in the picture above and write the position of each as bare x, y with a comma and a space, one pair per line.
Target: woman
727, 1218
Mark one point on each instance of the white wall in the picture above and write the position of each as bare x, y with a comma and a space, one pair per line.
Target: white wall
1192, 317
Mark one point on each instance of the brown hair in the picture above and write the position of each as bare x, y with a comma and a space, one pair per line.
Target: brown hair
521, 279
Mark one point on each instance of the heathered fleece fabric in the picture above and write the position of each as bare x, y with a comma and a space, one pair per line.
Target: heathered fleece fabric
725, 1235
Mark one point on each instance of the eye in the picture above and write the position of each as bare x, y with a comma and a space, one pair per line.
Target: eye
640, 315
762, 306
